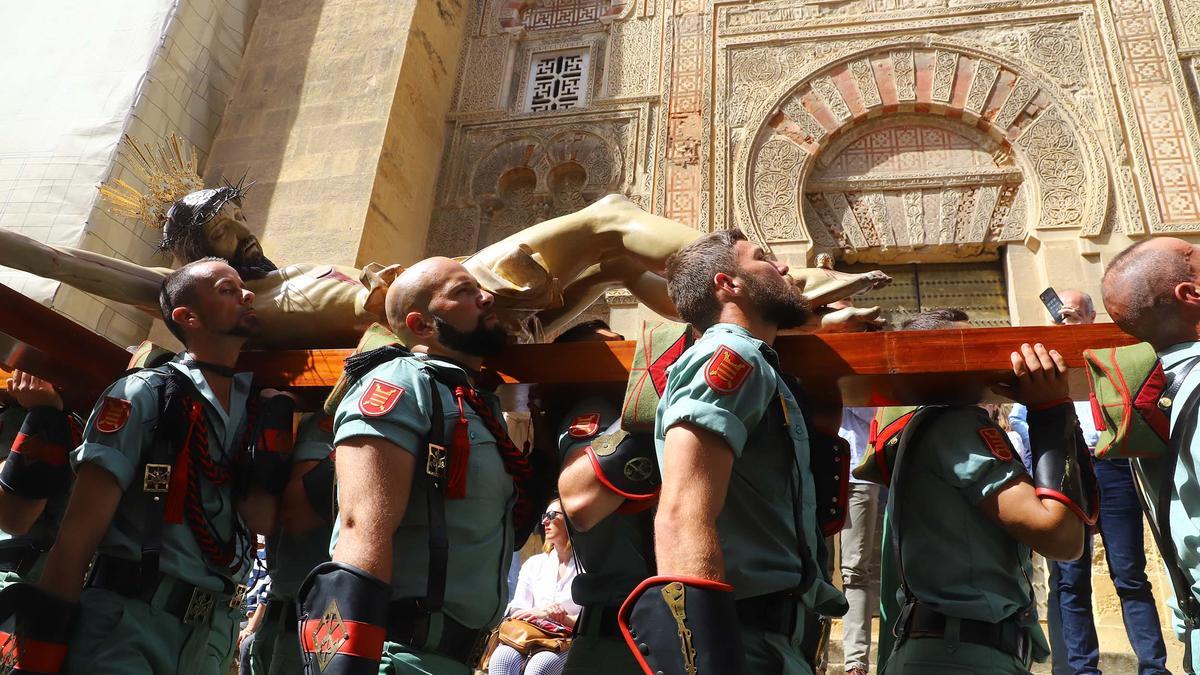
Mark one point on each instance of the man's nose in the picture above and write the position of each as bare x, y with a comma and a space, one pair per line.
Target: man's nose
783, 269
247, 296
486, 299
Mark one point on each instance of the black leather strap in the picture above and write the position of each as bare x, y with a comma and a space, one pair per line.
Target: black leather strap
599, 620
127, 578
435, 501
21, 558
408, 624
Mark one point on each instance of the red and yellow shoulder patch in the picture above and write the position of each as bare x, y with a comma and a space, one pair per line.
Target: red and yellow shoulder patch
585, 426
379, 398
727, 371
113, 414
996, 443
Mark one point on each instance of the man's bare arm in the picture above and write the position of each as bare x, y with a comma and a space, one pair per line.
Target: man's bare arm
374, 482
1045, 525
583, 497
259, 510
296, 514
94, 500
697, 466
90, 272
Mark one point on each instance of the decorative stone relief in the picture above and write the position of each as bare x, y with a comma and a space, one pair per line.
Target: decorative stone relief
1018, 129
943, 75
905, 75
632, 57
480, 88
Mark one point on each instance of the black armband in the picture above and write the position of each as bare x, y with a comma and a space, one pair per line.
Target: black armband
626, 464
37, 466
1062, 465
42, 626
271, 454
342, 619
319, 483
681, 625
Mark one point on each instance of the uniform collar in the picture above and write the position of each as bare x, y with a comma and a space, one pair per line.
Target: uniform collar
238, 394
1178, 353
768, 352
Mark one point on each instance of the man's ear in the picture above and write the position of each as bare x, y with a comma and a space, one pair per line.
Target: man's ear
419, 325
726, 284
1188, 293
185, 316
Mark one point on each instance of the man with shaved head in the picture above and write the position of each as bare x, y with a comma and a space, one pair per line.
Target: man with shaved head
430, 490
1152, 291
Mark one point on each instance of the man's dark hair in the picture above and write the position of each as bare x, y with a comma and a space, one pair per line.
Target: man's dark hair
935, 319
177, 290
690, 272
582, 331
184, 235
1142, 276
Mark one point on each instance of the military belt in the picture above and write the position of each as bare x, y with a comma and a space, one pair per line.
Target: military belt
283, 609
774, 612
191, 604
20, 559
408, 624
1009, 636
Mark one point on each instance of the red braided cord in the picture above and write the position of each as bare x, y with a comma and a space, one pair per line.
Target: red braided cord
516, 463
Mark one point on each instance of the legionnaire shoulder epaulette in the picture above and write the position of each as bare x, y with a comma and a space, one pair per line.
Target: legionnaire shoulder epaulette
1131, 400
880, 456
659, 345
376, 336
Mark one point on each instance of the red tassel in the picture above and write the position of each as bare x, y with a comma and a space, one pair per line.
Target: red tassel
460, 453
178, 487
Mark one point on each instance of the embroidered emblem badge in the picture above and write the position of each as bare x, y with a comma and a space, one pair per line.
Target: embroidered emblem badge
379, 398
585, 426
995, 441
113, 415
726, 371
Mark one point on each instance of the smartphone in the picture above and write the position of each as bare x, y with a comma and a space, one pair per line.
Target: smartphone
1053, 304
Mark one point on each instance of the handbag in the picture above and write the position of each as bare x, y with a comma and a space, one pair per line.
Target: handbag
538, 635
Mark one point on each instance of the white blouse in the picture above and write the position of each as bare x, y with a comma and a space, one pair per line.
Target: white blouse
538, 585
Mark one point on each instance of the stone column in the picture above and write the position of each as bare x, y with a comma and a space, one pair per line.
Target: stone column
338, 117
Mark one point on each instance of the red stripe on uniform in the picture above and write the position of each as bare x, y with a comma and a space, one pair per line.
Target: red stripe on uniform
29, 655
40, 450
363, 640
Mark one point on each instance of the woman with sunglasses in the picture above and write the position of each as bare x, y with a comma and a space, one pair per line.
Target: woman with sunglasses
543, 592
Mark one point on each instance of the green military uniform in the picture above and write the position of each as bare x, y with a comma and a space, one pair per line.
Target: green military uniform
613, 557
955, 560
120, 633
21, 551
479, 527
276, 646
1184, 504
727, 384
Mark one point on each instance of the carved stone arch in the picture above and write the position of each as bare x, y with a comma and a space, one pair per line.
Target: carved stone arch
517, 15
1026, 117
524, 180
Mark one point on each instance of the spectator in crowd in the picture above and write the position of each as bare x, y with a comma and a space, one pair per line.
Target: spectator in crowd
1073, 642
860, 540
259, 583
543, 592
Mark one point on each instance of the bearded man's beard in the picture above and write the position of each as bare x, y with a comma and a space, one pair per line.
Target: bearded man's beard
253, 268
779, 303
480, 341
246, 327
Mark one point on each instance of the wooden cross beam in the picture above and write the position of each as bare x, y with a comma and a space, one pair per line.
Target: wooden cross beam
906, 367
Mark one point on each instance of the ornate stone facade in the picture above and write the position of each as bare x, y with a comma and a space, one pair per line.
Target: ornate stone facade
877, 130
1040, 135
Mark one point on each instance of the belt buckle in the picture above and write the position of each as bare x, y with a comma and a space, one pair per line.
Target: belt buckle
200, 607
157, 478
239, 596
435, 461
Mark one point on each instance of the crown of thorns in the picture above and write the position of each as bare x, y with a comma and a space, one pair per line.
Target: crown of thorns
190, 212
